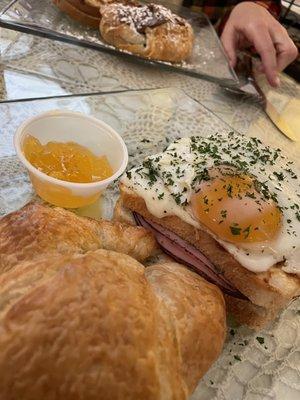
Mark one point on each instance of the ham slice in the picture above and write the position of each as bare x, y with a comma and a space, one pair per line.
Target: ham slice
187, 254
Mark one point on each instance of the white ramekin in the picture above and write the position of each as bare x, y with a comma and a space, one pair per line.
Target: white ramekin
65, 126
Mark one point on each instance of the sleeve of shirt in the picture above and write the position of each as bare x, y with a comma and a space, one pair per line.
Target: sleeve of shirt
273, 6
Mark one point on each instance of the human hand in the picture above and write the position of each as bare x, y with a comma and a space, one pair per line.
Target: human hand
250, 24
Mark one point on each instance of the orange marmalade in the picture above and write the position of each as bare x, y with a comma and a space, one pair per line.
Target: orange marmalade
69, 161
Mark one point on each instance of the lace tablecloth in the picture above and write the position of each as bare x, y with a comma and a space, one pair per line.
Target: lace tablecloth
252, 366
34, 67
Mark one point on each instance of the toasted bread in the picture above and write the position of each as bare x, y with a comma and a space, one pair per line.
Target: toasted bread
268, 292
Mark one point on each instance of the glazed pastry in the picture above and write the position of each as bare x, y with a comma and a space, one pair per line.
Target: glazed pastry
36, 230
100, 326
90, 7
86, 12
150, 31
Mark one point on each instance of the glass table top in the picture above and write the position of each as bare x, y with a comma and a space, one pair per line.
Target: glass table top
38, 74
44, 18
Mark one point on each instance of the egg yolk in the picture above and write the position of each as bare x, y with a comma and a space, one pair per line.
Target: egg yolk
66, 161
231, 207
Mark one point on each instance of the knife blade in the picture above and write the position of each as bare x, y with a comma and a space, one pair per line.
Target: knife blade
281, 105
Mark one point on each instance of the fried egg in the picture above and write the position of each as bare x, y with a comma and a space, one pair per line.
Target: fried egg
243, 193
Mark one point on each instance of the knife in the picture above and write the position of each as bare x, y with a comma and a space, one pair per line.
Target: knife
281, 105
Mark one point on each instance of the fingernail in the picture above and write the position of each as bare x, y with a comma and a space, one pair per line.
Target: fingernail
277, 81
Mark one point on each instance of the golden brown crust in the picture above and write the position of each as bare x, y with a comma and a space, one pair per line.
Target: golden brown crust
247, 313
80, 11
193, 304
67, 333
36, 230
271, 290
122, 214
87, 7
87, 12
166, 42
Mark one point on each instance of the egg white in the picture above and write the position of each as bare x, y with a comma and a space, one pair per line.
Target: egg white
176, 168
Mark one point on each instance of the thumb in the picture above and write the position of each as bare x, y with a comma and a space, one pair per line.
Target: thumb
229, 41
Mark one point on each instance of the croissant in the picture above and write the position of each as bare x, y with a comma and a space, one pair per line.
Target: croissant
101, 326
37, 230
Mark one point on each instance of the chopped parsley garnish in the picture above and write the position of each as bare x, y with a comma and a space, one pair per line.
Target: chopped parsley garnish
177, 197
246, 231
279, 175
201, 176
292, 173
238, 358
232, 155
235, 230
152, 172
260, 339
251, 195
229, 190
223, 213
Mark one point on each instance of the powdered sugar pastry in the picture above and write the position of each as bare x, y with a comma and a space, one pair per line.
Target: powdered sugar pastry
146, 16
